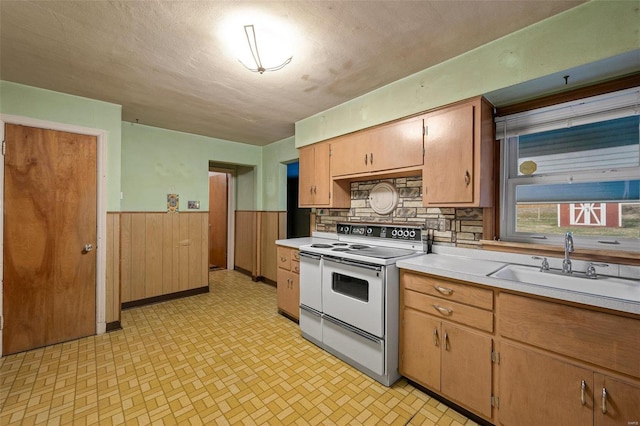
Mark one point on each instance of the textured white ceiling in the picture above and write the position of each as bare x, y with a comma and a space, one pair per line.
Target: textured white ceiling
164, 63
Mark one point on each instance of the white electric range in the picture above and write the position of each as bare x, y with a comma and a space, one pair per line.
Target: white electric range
349, 294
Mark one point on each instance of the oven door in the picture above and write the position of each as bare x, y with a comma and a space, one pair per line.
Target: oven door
310, 285
353, 293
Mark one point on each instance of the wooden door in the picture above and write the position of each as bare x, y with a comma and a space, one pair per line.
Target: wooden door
218, 224
420, 340
619, 405
466, 368
448, 159
536, 389
50, 215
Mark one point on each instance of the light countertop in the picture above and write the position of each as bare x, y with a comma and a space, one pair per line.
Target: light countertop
475, 266
317, 238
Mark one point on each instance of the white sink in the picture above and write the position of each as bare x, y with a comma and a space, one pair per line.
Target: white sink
617, 288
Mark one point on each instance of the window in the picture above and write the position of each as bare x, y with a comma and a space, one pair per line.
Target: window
573, 167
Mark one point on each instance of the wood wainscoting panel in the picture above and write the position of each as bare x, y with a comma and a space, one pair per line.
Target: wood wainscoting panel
162, 253
246, 241
113, 268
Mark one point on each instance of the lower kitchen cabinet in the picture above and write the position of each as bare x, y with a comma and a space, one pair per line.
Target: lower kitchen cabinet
615, 402
288, 285
536, 389
451, 359
565, 364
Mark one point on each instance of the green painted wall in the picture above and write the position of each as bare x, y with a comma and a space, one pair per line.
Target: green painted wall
590, 32
157, 162
275, 156
26, 101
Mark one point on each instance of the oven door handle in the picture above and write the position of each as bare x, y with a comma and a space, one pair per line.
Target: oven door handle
311, 310
353, 329
310, 256
369, 266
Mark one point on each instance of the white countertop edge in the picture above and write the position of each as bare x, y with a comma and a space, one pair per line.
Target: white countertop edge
296, 243
482, 267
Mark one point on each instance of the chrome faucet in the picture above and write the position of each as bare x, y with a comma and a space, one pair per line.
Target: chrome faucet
568, 248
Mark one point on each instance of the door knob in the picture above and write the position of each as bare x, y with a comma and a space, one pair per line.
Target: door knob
88, 248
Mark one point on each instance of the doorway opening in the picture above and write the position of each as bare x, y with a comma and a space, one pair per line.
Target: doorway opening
220, 217
298, 219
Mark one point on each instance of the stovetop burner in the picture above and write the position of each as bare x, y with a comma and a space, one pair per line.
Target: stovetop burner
340, 249
340, 244
358, 246
318, 245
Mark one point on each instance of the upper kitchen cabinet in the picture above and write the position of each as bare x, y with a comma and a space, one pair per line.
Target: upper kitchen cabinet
458, 156
316, 189
314, 183
390, 147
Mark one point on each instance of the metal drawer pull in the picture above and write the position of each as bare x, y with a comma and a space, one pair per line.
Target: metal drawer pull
435, 336
443, 310
446, 341
604, 401
467, 178
283, 259
583, 399
366, 159
444, 290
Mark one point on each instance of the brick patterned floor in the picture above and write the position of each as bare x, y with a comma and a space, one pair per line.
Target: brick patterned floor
226, 357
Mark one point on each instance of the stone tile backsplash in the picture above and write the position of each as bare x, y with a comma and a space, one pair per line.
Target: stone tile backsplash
461, 227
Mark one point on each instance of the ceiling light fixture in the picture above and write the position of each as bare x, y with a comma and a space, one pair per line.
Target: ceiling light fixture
253, 45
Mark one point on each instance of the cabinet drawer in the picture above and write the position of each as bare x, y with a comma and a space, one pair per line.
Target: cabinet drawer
451, 311
450, 290
604, 339
295, 255
295, 266
284, 258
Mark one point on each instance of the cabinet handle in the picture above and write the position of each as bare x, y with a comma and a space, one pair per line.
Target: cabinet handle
283, 259
371, 158
311, 190
444, 290
604, 401
443, 310
315, 189
366, 159
446, 341
435, 336
467, 178
583, 387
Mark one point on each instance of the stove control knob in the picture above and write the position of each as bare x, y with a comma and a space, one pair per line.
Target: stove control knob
405, 233
412, 234
369, 230
394, 233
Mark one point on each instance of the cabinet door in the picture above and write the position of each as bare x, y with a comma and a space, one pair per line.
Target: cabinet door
396, 145
314, 183
306, 165
448, 160
350, 154
288, 292
466, 368
536, 389
619, 404
322, 182
420, 340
